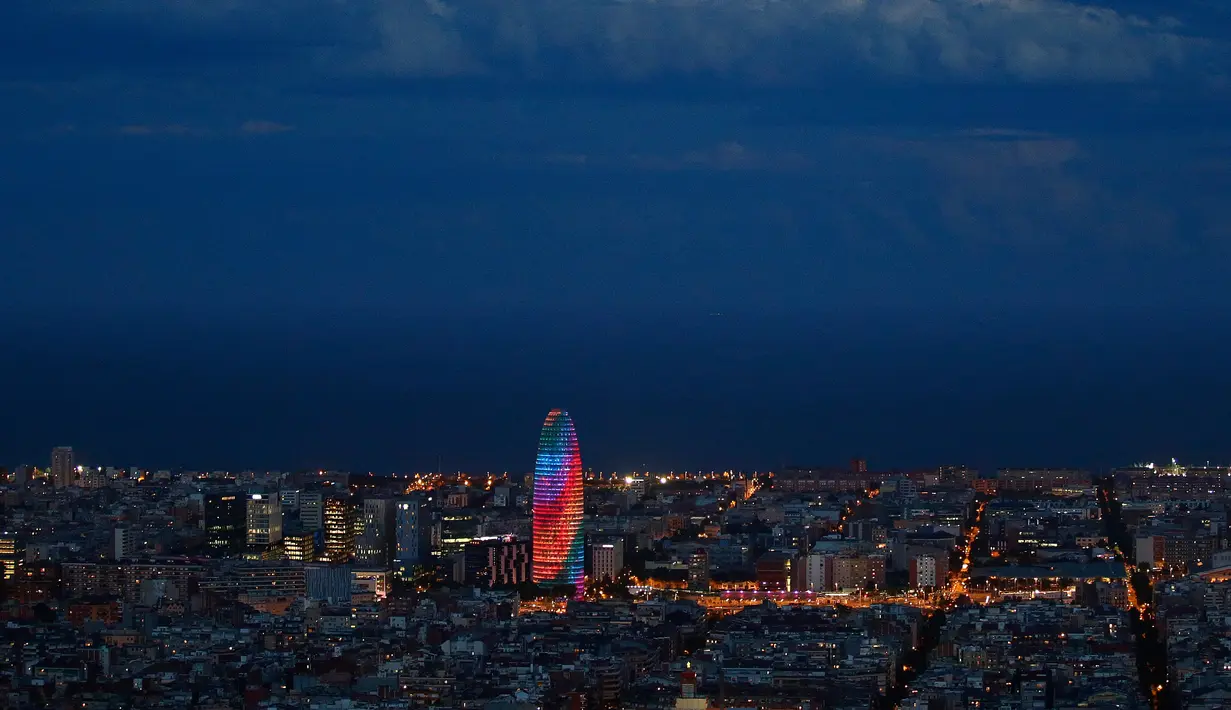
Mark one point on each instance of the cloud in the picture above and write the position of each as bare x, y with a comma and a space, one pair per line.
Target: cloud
1000, 134
174, 129
1001, 186
983, 149
730, 156
247, 128
264, 127
574, 159
788, 42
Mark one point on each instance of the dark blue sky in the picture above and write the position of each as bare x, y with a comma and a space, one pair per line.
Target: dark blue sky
366, 234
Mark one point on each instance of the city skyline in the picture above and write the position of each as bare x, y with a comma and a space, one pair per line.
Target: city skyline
894, 332
873, 570
855, 464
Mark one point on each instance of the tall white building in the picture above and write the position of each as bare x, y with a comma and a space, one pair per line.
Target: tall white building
607, 559
928, 571
818, 574
264, 519
125, 543
1149, 549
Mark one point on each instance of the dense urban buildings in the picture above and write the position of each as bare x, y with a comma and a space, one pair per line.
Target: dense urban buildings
559, 542
829, 588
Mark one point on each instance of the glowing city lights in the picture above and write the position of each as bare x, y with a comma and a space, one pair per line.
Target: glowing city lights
559, 543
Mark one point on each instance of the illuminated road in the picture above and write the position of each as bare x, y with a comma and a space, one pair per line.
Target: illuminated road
734, 602
1151, 652
958, 582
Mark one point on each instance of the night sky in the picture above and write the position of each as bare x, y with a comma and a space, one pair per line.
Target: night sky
365, 234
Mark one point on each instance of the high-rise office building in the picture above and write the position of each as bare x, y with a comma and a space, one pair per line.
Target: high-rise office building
370, 549
224, 517
559, 542
375, 543
299, 546
408, 536
63, 469
341, 524
311, 510
264, 520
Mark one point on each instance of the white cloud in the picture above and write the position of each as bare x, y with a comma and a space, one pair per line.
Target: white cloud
763, 41
772, 40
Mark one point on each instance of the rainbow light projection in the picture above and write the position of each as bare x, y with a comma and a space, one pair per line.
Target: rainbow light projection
559, 544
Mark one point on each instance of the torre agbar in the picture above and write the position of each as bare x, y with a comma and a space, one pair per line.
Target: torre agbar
559, 543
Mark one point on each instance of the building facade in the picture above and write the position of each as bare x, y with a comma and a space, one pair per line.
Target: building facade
375, 544
928, 570
264, 520
63, 467
299, 546
223, 517
699, 570
607, 558
124, 542
559, 542
497, 562
341, 523
408, 536
311, 510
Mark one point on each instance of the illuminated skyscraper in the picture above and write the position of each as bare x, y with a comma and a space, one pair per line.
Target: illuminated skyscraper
559, 542
341, 522
264, 520
299, 546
